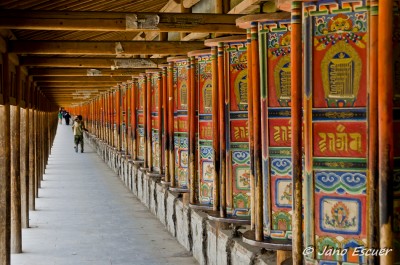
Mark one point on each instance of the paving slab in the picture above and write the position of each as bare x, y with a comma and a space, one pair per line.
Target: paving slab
85, 215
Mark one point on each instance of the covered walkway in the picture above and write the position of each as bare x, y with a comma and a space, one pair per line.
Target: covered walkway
85, 215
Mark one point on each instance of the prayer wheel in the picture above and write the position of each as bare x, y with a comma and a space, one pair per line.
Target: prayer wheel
155, 126
180, 85
232, 74
117, 118
128, 120
271, 86
337, 183
141, 118
124, 121
134, 124
203, 174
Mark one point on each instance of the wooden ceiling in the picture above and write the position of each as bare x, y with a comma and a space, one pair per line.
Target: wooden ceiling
61, 41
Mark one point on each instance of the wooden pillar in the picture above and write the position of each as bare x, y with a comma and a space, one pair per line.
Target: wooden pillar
31, 158
133, 119
24, 143
43, 137
159, 120
226, 6
37, 149
5, 184
101, 117
126, 120
149, 156
221, 129
192, 130
145, 89
129, 119
16, 233
165, 170
5, 167
215, 128
118, 119
109, 113
171, 178
111, 119
385, 125
296, 110
373, 176
114, 118
250, 124
105, 117
256, 102
41, 146
95, 110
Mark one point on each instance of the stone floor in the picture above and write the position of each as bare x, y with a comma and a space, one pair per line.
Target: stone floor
85, 215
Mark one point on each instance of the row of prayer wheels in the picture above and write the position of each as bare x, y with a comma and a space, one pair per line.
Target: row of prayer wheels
277, 129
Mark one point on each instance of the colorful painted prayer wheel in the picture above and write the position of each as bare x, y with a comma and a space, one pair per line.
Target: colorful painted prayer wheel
203, 128
117, 118
155, 127
336, 137
113, 118
128, 119
235, 197
179, 79
124, 119
269, 52
133, 134
141, 118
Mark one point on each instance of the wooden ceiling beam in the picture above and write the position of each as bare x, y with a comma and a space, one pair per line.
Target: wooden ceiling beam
71, 94
103, 47
110, 21
73, 89
76, 84
66, 95
83, 72
244, 7
189, 3
99, 79
91, 62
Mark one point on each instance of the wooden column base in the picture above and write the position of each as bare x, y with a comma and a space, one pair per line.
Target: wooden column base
185, 199
270, 244
284, 257
179, 190
201, 207
215, 216
165, 184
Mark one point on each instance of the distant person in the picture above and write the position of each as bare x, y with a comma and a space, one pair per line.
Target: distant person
60, 117
67, 117
78, 127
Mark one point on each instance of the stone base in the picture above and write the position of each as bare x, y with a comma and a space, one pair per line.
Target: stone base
211, 239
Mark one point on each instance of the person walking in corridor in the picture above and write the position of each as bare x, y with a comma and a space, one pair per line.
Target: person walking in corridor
60, 117
78, 127
67, 117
